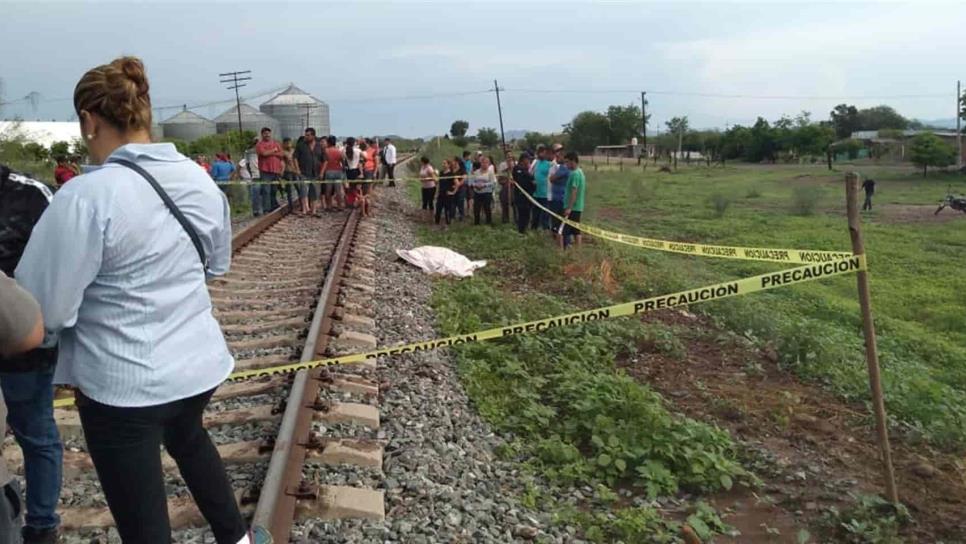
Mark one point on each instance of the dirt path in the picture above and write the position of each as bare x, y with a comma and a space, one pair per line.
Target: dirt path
813, 449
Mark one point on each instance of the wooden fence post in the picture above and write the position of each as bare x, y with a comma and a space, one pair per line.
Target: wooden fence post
868, 331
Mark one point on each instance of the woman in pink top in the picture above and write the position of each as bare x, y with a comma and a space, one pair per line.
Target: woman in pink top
333, 175
427, 179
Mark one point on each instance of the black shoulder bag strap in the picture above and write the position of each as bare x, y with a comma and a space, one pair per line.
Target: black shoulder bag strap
171, 206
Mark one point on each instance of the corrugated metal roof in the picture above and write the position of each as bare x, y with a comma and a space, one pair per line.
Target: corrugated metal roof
186, 118
874, 134
248, 112
292, 96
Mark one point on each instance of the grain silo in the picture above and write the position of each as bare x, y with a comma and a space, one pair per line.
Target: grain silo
296, 110
251, 119
188, 126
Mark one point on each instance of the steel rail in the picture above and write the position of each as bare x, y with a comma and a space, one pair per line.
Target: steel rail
260, 225
275, 510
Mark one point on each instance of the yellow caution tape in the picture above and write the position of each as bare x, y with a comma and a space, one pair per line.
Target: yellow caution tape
704, 250
761, 282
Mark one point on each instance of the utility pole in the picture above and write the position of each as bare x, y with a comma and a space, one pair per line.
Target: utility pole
506, 152
644, 123
234, 81
308, 108
959, 132
644, 118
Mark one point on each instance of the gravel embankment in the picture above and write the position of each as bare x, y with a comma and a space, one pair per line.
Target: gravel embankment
442, 481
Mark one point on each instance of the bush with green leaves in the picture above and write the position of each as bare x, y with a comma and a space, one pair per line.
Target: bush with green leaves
719, 204
871, 520
805, 200
585, 420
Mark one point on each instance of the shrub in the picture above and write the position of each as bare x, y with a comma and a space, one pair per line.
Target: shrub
753, 193
720, 203
805, 200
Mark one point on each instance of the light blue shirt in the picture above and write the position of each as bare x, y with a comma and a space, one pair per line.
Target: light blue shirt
121, 285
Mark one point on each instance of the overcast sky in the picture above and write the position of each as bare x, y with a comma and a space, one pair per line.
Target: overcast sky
369, 60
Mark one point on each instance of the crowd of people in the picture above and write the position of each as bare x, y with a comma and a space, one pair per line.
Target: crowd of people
314, 174
549, 184
110, 294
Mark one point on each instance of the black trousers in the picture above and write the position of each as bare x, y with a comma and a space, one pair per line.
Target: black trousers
445, 207
428, 197
867, 205
125, 446
536, 214
391, 174
504, 204
484, 201
523, 214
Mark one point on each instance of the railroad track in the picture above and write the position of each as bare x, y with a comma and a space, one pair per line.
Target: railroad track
297, 290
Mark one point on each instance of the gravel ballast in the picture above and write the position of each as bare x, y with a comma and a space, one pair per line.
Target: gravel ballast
442, 480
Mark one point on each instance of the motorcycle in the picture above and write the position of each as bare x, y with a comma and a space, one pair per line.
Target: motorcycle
956, 202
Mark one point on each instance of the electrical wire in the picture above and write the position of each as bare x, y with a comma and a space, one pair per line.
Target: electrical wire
723, 95
408, 97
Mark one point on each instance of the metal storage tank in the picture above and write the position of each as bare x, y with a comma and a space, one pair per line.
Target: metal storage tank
296, 110
251, 119
188, 126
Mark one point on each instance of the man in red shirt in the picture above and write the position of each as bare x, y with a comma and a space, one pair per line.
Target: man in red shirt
270, 170
63, 172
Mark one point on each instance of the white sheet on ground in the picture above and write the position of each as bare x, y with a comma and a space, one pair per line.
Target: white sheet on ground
440, 260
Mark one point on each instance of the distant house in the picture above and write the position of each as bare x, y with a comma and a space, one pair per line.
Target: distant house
632, 150
892, 143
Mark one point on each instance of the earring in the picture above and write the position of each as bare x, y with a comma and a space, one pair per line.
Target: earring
90, 136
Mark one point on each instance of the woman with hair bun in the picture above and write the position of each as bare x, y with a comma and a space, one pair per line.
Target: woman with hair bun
120, 275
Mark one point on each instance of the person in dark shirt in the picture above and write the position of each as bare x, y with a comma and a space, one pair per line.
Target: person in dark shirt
446, 193
308, 154
523, 177
869, 187
26, 380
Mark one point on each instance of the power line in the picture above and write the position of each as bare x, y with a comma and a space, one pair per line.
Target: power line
407, 97
723, 95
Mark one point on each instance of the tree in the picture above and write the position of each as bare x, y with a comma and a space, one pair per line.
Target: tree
587, 130
461, 141
60, 149
927, 150
679, 127
79, 148
35, 151
763, 144
533, 139
880, 117
458, 128
488, 137
625, 123
813, 139
734, 142
845, 120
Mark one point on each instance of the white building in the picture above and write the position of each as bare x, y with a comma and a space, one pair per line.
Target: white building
44, 133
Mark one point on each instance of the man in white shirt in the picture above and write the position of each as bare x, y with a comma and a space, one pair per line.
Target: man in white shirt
389, 160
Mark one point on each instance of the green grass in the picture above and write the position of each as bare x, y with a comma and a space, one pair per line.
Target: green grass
570, 413
915, 269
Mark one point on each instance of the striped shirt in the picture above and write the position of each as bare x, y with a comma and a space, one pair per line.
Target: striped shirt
483, 181
120, 283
